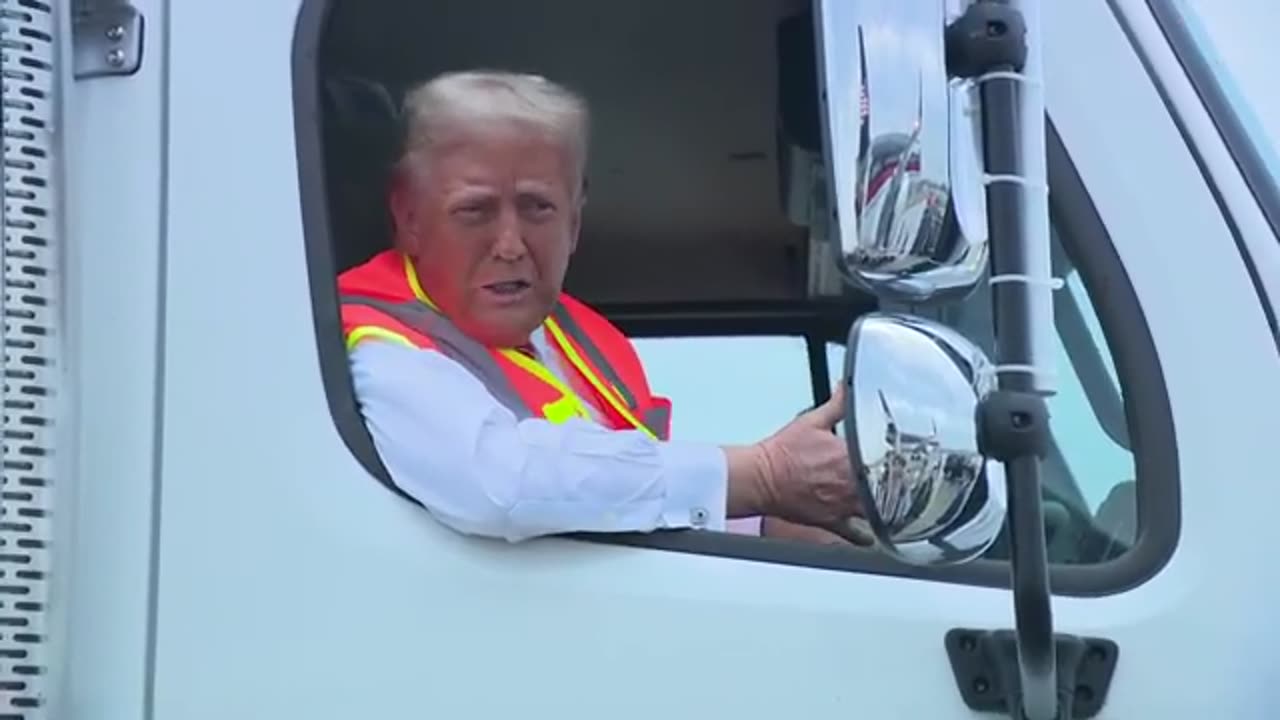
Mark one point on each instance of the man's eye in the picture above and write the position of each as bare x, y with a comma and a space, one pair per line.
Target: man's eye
538, 206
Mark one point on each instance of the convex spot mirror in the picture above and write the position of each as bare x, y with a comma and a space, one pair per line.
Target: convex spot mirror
901, 146
929, 495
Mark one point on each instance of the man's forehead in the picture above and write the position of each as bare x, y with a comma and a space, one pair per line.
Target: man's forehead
476, 163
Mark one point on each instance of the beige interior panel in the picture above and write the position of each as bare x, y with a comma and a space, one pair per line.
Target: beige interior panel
684, 190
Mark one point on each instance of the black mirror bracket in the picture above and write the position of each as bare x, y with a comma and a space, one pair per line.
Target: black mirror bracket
1028, 672
1014, 426
990, 35
985, 665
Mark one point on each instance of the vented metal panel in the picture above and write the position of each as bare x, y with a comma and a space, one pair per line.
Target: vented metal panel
30, 355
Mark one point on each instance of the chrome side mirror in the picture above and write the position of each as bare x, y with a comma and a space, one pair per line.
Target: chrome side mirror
929, 495
902, 152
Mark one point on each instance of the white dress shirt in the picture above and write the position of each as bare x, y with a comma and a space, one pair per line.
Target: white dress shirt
448, 443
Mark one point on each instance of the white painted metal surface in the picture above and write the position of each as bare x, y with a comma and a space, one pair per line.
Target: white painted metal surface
116, 199
1255, 233
286, 583
33, 356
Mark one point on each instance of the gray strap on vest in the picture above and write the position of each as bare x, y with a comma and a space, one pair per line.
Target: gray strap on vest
571, 327
656, 419
477, 359
454, 344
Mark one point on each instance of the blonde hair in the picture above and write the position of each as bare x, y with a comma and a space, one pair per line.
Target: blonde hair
458, 100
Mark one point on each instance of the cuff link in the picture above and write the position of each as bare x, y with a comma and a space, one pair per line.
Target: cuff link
699, 517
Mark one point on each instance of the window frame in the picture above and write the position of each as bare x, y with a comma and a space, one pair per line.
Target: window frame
1082, 233
1244, 149
1240, 145
816, 322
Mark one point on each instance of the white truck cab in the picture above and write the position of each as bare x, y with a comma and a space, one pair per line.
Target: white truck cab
195, 521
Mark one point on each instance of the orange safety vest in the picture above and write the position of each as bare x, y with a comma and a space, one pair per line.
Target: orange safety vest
383, 299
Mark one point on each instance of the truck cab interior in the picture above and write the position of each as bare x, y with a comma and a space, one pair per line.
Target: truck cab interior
705, 175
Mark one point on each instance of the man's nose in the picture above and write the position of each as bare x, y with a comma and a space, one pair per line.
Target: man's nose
510, 241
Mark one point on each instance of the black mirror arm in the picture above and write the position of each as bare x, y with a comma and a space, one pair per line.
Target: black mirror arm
1013, 421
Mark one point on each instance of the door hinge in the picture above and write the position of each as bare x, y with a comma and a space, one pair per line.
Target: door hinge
106, 37
985, 665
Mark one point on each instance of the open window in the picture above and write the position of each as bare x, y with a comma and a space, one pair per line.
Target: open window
698, 241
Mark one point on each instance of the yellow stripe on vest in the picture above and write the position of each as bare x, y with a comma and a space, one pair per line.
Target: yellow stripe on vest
600, 387
569, 405
563, 410
365, 332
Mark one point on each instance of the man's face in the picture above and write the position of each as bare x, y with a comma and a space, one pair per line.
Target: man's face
490, 224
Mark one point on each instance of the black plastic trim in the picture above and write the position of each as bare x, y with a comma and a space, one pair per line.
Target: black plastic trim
828, 320
819, 368
985, 666
1082, 233
321, 265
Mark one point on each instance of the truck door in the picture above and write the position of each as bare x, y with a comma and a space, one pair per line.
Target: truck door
236, 554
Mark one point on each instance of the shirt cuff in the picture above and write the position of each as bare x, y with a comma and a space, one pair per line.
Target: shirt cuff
697, 480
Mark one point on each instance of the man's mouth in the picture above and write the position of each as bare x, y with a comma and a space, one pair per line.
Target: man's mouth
509, 288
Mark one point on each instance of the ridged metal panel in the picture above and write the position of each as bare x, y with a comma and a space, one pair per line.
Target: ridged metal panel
30, 337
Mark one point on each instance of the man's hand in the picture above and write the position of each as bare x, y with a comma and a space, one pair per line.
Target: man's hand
801, 473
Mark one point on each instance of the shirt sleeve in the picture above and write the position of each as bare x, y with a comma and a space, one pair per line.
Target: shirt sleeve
448, 443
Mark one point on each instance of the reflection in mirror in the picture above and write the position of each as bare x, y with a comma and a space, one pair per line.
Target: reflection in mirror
930, 497
909, 210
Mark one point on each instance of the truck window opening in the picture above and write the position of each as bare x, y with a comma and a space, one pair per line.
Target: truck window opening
691, 244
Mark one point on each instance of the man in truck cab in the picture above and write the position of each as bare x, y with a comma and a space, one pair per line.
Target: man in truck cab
503, 405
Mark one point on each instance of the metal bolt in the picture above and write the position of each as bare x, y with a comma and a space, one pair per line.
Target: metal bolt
115, 32
115, 58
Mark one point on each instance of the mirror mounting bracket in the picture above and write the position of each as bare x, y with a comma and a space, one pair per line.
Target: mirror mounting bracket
1012, 425
989, 35
988, 43
985, 666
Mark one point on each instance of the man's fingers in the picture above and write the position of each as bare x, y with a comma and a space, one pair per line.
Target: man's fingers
830, 412
855, 531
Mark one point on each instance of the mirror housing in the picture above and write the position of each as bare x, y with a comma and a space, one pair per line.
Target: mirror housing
928, 493
907, 211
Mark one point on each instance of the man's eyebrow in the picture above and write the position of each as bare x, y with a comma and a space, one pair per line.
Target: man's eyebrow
470, 190
539, 186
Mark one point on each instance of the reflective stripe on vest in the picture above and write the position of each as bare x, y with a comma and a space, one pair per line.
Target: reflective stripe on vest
562, 318
478, 360
453, 344
422, 316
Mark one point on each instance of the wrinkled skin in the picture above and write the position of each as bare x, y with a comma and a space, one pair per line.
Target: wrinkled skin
808, 483
490, 221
